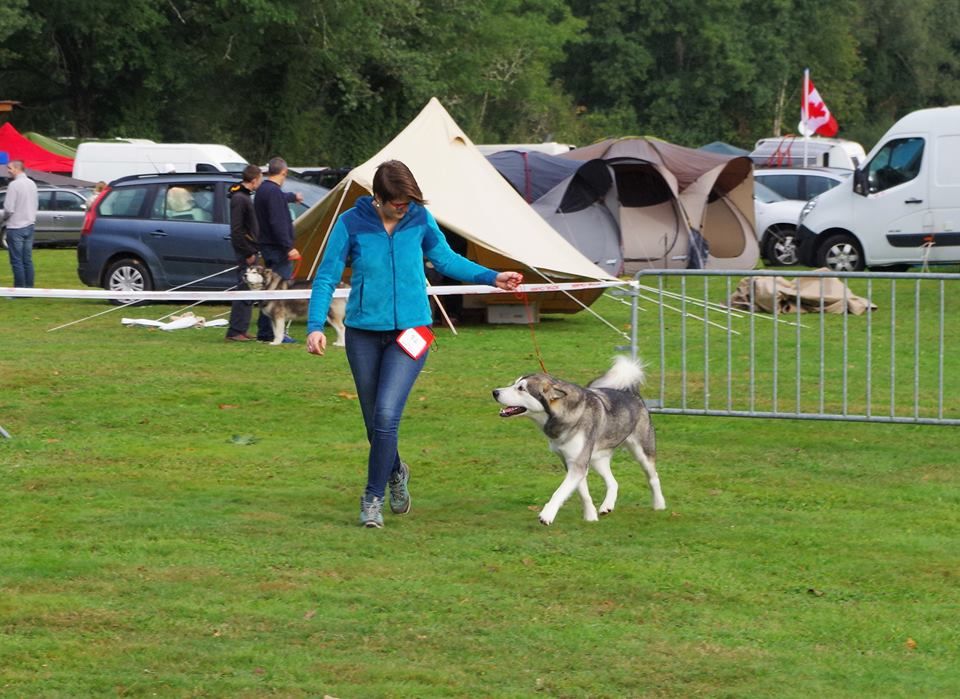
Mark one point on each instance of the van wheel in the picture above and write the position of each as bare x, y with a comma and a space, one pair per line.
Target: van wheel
841, 253
780, 245
127, 274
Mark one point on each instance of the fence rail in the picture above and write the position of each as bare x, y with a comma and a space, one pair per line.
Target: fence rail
898, 363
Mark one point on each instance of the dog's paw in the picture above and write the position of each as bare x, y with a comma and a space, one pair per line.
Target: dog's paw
546, 520
605, 510
591, 516
659, 504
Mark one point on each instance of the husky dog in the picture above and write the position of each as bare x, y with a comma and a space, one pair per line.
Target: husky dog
282, 310
584, 426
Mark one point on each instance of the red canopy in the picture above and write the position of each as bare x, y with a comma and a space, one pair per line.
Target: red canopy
32, 155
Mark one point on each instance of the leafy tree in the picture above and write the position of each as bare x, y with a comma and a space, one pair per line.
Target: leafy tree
693, 72
331, 81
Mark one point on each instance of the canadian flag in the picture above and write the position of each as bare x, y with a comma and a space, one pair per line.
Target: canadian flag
815, 118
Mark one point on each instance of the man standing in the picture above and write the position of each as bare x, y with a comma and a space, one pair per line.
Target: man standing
245, 237
276, 233
20, 211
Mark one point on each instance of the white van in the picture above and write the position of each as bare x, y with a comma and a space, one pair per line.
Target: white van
104, 160
902, 208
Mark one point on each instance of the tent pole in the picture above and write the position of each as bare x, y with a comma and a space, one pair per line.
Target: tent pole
443, 311
326, 237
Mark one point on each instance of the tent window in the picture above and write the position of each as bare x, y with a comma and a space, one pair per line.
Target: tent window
589, 185
641, 185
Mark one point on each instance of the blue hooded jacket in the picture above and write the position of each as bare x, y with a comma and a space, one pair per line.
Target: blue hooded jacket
388, 286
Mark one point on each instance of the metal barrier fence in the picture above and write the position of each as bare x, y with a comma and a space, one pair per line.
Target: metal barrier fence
899, 363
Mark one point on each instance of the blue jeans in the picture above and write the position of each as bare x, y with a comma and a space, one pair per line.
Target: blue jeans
384, 375
276, 260
20, 244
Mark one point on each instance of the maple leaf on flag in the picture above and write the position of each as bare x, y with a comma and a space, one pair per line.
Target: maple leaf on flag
815, 117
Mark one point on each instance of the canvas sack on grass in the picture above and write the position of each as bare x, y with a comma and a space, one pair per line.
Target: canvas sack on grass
808, 291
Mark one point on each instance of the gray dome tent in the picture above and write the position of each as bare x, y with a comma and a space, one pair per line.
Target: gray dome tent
582, 208
711, 195
622, 213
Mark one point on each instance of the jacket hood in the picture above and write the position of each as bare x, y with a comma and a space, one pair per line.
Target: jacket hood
416, 213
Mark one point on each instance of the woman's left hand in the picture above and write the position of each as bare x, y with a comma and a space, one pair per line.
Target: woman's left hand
509, 281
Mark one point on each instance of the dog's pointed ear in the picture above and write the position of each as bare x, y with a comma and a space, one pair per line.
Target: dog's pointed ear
553, 390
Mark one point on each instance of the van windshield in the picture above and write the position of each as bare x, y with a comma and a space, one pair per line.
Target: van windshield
897, 162
233, 167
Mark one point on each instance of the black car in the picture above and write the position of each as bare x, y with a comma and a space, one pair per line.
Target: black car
149, 232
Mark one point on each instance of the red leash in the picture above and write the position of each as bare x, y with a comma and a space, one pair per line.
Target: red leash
522, 295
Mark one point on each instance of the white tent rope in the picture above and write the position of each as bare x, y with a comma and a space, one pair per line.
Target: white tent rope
716, 307
688, 314
196, 303
582, 304
132, 301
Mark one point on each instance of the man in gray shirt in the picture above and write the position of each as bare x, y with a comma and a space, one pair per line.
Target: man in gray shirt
20, 212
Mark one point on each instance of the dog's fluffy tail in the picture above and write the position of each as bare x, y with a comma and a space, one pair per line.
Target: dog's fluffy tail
624, 374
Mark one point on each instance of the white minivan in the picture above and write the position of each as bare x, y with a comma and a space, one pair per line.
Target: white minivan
902, 208
109, 160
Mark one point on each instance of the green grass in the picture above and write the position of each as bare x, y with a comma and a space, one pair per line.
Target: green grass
144, 552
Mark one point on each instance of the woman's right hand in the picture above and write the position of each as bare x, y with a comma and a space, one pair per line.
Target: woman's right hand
316, 343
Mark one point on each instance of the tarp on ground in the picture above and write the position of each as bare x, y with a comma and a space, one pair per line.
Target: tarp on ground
466, 195
713, 197
33, 156
808, 294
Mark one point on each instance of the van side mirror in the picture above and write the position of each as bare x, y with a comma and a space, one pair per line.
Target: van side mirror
860, 183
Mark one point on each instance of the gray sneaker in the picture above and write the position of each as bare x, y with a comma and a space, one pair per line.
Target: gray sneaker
399, 495
371, 514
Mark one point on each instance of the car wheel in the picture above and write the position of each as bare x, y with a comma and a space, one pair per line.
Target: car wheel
127, 274
780, 245
841, 253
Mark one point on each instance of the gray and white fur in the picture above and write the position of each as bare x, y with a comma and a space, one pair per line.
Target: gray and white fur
281, 311
584, 426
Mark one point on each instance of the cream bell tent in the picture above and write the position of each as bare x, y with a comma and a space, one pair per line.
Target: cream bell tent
470, 200
712, 195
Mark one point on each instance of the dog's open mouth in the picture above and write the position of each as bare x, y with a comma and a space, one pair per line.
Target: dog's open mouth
512, 410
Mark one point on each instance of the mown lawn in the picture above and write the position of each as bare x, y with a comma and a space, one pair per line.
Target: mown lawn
179, 519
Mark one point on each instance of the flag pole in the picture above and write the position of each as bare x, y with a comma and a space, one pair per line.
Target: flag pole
805, 113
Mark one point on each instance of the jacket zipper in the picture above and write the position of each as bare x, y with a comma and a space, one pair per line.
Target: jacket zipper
393, 272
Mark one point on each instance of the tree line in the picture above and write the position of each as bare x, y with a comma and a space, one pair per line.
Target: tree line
331, 81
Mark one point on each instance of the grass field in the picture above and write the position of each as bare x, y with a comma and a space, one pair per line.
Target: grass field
179, 519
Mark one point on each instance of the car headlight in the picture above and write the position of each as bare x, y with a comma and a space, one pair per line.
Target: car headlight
807, 208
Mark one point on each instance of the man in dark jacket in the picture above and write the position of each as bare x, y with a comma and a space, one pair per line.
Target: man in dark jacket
276, 233
244, 236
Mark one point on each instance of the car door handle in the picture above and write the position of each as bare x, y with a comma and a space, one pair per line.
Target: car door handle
913, 200
158, 234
